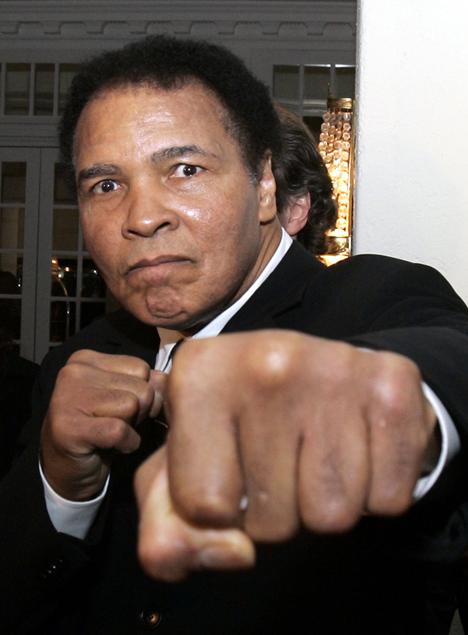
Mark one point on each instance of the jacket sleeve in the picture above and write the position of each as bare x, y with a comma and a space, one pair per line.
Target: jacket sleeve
36, 561
421, 317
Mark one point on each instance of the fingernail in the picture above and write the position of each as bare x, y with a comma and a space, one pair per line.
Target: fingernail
214, 557
227, 557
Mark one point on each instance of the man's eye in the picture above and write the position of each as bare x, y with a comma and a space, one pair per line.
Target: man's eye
184, 170
103, 187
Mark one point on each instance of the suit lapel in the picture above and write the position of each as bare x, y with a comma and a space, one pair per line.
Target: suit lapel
133, 337
283, 289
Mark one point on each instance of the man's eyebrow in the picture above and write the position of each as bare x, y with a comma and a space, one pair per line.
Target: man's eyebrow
99, 169
108, 169
178, 151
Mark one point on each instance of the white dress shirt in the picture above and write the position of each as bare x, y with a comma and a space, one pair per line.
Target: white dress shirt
75, 518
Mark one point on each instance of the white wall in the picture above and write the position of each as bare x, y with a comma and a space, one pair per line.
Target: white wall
412, 147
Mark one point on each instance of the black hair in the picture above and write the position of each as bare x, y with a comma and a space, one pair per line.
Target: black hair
299, 169
169, 63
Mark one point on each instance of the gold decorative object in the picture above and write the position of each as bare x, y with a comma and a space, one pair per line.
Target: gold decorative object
336, 147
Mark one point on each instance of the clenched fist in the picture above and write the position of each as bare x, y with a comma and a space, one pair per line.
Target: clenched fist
96, 402
311, 432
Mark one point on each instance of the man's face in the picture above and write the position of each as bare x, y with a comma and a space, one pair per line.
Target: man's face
170, 214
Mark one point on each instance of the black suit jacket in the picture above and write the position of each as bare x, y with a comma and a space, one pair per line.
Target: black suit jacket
387, 576
17, 376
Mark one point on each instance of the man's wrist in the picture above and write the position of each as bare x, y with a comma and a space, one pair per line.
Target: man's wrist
449, 444
69, 516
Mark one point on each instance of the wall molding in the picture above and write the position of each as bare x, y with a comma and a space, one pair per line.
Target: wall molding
33, 21
262, 32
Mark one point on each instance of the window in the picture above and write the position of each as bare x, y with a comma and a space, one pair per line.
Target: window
36, 90
49, 286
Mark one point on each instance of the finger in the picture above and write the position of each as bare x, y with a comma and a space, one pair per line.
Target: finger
334, 470
106, 434
168, 547
158, 381
96, 392
400, 427
124, 364
269, 461
205, 476
98, 431
105, 415
398, 444
121, 387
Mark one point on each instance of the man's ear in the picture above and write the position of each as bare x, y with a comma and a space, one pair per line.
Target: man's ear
266, 192
295, 216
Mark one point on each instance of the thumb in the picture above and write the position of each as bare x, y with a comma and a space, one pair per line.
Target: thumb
158, 381
169, 547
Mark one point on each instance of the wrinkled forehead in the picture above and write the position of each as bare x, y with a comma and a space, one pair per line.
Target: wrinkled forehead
152, 86
204, 101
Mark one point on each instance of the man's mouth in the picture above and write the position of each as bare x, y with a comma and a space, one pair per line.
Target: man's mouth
146, 263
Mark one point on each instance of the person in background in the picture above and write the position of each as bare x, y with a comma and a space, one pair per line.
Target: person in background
304, 194
17, 375
314, 472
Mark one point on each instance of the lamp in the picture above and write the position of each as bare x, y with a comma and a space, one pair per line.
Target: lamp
336, 147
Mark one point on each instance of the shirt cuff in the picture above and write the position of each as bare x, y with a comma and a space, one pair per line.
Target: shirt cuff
71, 517
450, 443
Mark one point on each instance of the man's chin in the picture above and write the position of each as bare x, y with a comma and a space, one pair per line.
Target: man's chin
159, 316
150, 310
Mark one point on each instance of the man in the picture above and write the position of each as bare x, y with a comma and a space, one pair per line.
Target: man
304, 191
299, 436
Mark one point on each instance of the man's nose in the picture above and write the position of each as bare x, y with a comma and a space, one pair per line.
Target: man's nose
148, 212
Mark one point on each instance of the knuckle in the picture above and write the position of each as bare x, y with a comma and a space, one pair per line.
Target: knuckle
387, 387
391, 501
395, 379
191, 357
70, 373
110, 433
391, 395
138, 368
129, 403
274, 530
81, 356
209, 509
194, 350
335, 504
273, 363
335, 515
